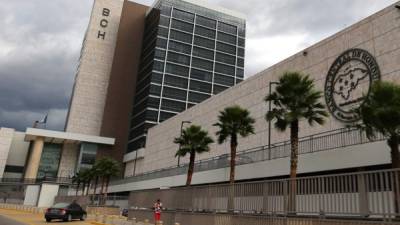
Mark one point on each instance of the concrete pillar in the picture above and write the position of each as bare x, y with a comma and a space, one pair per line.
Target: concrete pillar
34, 159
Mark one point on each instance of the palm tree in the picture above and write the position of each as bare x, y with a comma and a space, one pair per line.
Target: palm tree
77, 178
232, 122
85, 175
380, 113
96, 175
193, 140
108, 168
294, 99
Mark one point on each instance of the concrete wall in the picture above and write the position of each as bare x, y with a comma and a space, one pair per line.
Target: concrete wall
32, 193
93, 73
378, 34
68, 160
48, 192
376, 153
6, 138
18, 154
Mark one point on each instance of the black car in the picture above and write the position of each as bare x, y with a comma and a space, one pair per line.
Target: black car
65, 212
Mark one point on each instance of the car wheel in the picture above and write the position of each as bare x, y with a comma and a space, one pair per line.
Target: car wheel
48, 220
83, 217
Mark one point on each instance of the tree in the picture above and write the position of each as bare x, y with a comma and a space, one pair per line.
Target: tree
294, 99
193, 141
86, 177
380, 113
96, 172
77, 178
232, 122
107, 168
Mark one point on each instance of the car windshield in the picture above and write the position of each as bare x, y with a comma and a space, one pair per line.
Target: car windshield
60, 205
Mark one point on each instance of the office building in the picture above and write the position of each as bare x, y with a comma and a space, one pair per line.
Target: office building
190, 52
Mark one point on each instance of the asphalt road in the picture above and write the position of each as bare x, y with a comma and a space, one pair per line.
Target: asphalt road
6, 221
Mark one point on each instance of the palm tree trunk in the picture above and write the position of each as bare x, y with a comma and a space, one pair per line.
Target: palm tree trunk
102, 186
231, 198
233, 158
87, 190
77, 188
394, 153
294, 146
96, 181
83, 188
105, 193
191, 168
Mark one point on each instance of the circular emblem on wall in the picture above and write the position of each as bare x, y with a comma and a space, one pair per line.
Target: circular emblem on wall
348, 81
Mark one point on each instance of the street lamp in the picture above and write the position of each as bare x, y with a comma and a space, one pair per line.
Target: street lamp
269, 122
183, 122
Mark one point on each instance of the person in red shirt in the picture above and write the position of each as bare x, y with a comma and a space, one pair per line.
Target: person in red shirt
157, 210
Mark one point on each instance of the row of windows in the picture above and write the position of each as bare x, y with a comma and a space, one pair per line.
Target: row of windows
198, 66
197, 51
199, 41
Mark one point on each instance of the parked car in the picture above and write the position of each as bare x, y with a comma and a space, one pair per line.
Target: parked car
125, 212
65, 212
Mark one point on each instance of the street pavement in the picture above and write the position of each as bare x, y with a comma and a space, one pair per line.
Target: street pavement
13, 217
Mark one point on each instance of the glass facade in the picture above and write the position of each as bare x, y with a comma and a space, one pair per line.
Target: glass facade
189, 53
49, 161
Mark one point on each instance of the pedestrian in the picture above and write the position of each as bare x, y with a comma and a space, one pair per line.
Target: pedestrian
157, 210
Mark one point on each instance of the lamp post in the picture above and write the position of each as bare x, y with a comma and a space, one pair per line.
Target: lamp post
269, 122
183, 122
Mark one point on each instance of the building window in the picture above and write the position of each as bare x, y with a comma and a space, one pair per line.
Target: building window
174, 93
179, 47
202, 64
188, 27
225, 69
163, 32
227, 28
218, 89
180, 36
200, 86
161, 43
220, 57
226, 48
178, 58
166, 115
240, 62
177, 70
205, 32
49, 161
164, 21
197, 97
206, 22
204, 53
204, 42
239, 73
179, 14
241, 42
241, 52
224, 80
176, 81
173, 105
226, 38
201, 75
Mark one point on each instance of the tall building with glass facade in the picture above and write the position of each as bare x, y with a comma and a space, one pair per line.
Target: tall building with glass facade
190, 51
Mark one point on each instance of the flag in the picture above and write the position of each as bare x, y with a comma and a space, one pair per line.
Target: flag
44, 119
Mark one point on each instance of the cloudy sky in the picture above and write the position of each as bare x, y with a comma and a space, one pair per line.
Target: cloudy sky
40, 42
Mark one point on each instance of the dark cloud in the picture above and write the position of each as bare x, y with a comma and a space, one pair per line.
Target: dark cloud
40, 43
39, 50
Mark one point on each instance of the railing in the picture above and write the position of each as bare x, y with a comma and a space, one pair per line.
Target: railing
309, 144
190, 218
362, 195
24, 181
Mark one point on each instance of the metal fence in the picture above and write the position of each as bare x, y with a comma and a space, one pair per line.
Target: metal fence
189, 218
362, 194
27, 181
309, 144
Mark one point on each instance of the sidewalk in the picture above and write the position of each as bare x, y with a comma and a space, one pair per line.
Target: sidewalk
34, 219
